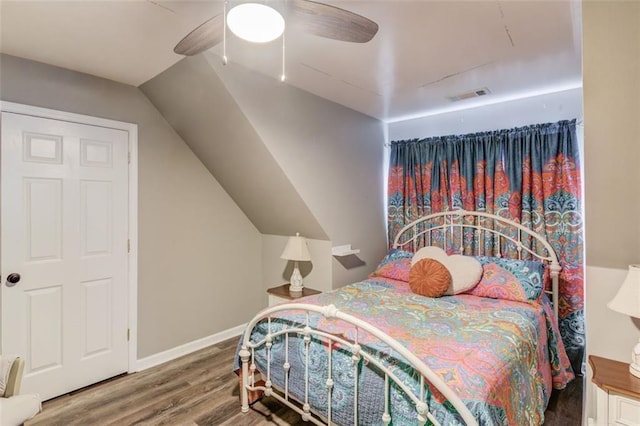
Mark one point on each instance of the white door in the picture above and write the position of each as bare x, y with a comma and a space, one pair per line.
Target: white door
64, 223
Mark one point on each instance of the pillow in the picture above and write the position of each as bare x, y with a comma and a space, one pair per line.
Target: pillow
510, 279
395, 265
429, 278
465, 271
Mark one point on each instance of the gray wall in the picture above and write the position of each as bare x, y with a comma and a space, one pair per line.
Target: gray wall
332, 155
612, 131
199, 255
547, 108
611, 75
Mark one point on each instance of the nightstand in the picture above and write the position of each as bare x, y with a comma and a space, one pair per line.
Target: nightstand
617, 393
281, 294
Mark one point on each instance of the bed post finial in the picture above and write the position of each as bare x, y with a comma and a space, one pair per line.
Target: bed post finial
329, 311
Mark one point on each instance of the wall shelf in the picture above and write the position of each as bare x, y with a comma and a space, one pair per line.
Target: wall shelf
344, 250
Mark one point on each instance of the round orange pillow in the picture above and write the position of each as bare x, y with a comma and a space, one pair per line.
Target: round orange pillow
430, 278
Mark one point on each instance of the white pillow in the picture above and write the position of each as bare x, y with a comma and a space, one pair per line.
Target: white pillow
18, 409
465, 271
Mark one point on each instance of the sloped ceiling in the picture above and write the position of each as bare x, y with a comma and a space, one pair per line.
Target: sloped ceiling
424, 52
333, 156
294, 162
195, 102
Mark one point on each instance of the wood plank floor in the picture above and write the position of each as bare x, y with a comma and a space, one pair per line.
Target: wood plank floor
200, 389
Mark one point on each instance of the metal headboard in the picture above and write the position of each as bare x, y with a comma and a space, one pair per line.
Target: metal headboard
478, 233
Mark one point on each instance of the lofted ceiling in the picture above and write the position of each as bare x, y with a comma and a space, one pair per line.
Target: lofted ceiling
425, 52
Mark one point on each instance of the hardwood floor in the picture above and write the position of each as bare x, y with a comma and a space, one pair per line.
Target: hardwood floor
200, 389
565, 406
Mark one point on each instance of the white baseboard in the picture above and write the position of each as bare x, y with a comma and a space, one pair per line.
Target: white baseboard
187, 348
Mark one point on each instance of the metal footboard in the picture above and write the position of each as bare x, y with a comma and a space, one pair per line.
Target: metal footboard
358, 355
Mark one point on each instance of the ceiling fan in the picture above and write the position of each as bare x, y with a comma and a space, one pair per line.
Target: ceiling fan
316, 18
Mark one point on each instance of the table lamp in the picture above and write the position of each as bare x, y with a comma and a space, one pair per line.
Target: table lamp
627, 301
296, 250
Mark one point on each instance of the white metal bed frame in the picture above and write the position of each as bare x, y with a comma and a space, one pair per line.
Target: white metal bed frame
460, 221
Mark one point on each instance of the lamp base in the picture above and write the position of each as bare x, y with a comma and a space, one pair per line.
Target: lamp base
295, 288
634, 367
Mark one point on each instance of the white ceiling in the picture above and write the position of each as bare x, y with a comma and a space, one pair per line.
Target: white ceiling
424, 52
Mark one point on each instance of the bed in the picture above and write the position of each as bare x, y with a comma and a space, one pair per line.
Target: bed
374, 352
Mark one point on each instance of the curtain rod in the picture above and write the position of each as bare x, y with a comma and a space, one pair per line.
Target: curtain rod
579, 123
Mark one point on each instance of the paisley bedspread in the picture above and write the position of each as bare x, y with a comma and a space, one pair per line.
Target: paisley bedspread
501, 357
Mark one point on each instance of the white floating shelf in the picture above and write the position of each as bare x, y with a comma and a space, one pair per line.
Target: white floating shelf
345, 250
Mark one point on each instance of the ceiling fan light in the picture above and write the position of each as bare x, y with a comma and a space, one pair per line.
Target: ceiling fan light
255, 22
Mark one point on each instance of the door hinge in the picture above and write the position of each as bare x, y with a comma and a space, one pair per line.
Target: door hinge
128, 246
129, 157
128, 334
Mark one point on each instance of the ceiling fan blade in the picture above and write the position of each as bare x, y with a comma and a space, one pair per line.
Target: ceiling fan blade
331, 22
202, 38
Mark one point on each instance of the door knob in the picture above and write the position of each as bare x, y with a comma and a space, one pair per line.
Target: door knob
12, 279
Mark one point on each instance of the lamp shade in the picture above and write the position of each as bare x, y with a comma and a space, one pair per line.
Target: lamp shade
627, 300
255, 22
296, 249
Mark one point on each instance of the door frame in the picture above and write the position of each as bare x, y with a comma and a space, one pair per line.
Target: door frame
132, 131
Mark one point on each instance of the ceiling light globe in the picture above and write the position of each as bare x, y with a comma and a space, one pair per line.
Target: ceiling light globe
255, 22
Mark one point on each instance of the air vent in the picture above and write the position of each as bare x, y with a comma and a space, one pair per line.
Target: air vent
468, 95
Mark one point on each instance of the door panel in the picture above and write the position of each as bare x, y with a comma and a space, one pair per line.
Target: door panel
44, 328
96, 213
96, 315
43, 216
42, 148
64, 223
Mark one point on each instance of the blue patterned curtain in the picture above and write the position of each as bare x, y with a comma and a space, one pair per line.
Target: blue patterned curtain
529, 174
